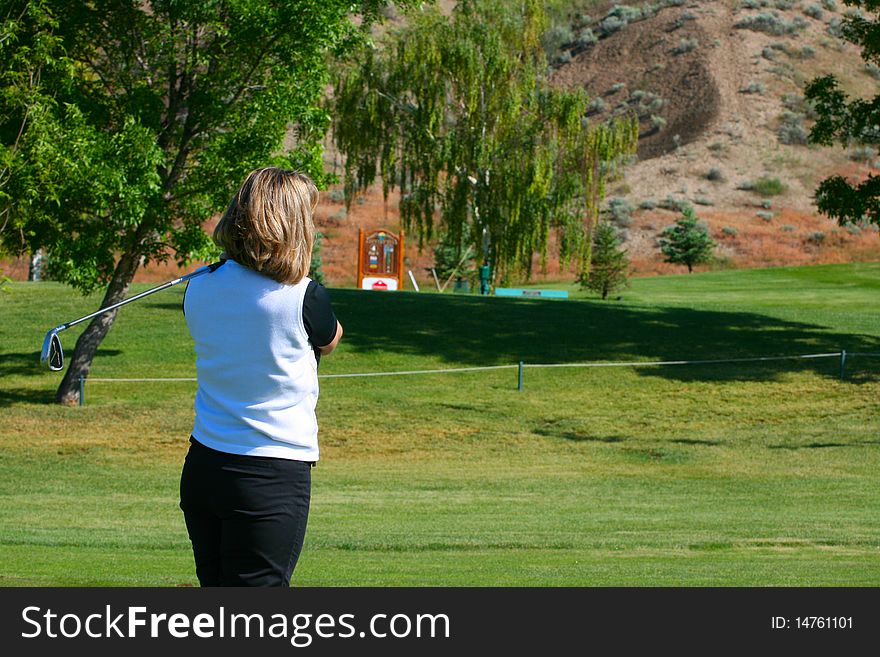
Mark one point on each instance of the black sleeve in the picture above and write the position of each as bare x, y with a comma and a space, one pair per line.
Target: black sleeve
318, 316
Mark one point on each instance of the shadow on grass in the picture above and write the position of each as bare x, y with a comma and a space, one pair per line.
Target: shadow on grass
463, 330
28, 363
12, 396
857, 443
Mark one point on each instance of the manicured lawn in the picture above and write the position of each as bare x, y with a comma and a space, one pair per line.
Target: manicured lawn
719, 474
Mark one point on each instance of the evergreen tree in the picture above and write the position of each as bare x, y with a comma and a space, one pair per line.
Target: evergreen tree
609, 268
848, 121
687, 242
316, 273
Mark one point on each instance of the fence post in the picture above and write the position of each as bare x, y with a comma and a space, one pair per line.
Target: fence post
519, 378
842, 364
82, 391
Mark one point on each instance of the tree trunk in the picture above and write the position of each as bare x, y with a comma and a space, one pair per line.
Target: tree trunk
87, 344
690, 268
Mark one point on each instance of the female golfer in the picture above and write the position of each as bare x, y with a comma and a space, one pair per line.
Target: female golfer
260, 325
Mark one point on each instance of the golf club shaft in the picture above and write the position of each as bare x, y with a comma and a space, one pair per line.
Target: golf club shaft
164, 286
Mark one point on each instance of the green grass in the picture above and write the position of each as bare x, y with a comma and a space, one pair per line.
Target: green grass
723, 474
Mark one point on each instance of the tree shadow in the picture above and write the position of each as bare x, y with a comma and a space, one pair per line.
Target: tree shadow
28, 363
478, 331
13, 396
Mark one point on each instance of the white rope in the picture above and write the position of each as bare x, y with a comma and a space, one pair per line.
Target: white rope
507, 367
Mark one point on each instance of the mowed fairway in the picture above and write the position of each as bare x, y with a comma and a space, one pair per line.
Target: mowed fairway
750, 474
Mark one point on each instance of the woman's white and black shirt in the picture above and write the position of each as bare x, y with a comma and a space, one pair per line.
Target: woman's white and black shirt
256, 359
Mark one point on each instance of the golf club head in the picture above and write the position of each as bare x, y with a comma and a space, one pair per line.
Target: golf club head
52, 355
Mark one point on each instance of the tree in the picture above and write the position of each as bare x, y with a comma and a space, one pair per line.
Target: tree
687, 242
609, 269
456, 111
849, 121
128, 123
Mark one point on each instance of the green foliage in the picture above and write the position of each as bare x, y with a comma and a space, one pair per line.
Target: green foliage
316, 273
791, 129
848, 122
609, 269
686, 45
126, 125
457, 113
687, 242
453, 257
766, 186
770, 22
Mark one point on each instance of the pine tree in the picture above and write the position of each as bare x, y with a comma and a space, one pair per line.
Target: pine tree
609, 269
687, 242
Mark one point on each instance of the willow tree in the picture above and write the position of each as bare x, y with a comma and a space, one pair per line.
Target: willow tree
457, 113
127, 123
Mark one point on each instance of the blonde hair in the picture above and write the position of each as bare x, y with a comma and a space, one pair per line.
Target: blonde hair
268, 226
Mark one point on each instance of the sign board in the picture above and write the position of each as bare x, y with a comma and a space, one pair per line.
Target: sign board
543, 294
380, 261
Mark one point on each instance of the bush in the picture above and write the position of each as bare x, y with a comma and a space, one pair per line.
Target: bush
814, 11
729, 231
686, 45
791, 129
769, 186
766, 216
657, 123
863, 154
770, 22
816, 238
788, 228
835, 27
610, 25
807, 52
586, 37
754, 88
621, 211
648, 204
799, 105
596, 105
873, 70
783, 4
715, 175
616, 87
702, 200
830, 5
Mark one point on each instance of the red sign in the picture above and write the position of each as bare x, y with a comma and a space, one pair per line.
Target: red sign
380, 285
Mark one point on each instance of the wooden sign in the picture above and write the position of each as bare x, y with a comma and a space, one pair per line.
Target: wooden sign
380, 260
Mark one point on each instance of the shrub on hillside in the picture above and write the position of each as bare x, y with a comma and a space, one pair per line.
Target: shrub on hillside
715, 175
770, 22
686, 45
621, 211
766, 186
814, 11
791, 129
863, 154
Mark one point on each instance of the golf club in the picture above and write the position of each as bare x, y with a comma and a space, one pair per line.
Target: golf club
52, 354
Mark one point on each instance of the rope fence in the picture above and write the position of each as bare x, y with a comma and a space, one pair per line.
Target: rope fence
520, 367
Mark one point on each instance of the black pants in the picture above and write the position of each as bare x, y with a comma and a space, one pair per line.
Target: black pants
246, 516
